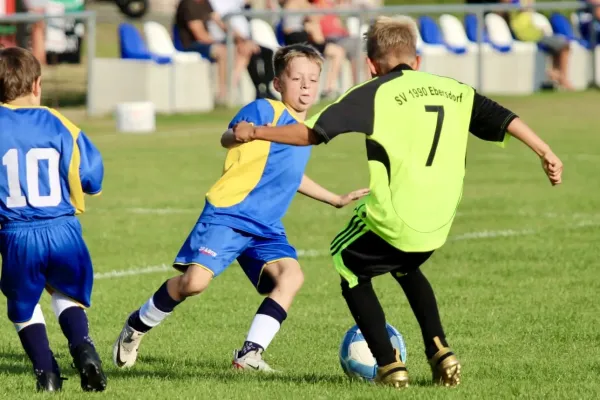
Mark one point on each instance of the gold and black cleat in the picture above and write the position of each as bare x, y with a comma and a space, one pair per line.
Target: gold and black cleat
445, 366
394, 374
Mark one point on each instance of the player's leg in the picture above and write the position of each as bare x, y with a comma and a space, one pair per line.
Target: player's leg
356, 257
419, 293
208, 251
23, 283
272, 267
70, 279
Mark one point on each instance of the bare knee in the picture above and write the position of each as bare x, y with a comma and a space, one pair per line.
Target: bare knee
287, 277
194, 281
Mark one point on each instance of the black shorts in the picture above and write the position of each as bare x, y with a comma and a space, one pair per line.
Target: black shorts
360, 254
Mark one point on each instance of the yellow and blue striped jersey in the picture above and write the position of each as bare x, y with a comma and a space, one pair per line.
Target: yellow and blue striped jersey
259, 178
47, 165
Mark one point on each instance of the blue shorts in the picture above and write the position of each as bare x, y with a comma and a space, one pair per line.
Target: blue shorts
47, 254
215, 247
204, 49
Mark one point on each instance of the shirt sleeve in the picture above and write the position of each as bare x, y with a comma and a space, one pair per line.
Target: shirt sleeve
489, 120
259, 112
91, 167
354, 112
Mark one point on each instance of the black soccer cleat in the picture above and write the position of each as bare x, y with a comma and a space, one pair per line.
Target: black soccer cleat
48, 381
88, 363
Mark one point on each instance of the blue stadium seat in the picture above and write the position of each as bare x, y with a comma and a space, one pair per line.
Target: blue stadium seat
177, 39
430, 32
132, 45
279, 33
471, 29
562, 26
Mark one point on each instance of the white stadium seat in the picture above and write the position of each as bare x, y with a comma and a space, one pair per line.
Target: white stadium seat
263, 34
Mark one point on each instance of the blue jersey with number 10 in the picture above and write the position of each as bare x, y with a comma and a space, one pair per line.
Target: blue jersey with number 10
47, 165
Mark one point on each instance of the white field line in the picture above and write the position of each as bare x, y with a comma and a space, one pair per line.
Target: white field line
317, 253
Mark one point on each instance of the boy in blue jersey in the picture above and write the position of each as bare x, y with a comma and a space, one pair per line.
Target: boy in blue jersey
242, 219
47, 166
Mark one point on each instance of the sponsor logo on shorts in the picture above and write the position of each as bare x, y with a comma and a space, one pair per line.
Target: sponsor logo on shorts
207, 251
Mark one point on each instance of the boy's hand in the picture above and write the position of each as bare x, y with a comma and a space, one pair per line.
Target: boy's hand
553, 167
243, 132
346, 199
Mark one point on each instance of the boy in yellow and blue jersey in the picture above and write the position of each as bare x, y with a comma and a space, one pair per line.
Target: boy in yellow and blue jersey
47, 166
242, 218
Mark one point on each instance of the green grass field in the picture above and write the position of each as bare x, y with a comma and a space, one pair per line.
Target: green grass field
517, 283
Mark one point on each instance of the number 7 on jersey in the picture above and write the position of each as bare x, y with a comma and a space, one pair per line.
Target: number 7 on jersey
438, 130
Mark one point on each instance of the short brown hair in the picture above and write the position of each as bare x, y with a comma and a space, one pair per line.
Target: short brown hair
392, 37
19, 70
284, 56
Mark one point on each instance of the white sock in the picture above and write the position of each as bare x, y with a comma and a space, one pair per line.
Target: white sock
36, 318
60, 303
263, 330
150, 315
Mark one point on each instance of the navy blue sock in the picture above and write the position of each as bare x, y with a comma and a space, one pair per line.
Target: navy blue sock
75, 326
35, 343
272, 309
162, 301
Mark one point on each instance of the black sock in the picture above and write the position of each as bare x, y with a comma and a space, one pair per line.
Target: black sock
370, 318
162, 300
74, 324
421, 298
35, 343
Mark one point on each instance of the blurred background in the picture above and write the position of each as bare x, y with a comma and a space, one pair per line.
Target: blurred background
138, 54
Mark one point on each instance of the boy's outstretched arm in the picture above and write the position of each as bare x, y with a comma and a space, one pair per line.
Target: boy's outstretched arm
490, 121
312, 189
551, 164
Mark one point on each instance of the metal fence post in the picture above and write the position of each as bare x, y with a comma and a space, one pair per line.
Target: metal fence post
358, 55
593, 44
230, 63
91, 55
480, 46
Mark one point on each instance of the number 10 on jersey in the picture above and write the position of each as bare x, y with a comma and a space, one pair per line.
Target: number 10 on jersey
16, 198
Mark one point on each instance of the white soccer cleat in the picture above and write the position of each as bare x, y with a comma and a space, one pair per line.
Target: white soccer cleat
125, 349
251, 361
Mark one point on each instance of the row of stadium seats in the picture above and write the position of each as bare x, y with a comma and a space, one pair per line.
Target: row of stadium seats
448, 47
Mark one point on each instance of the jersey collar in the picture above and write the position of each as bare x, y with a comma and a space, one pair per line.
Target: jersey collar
401, 67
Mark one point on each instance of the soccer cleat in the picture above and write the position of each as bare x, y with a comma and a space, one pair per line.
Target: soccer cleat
125, 349
445, 366
48, 381
88, 363
251, 361
394, 374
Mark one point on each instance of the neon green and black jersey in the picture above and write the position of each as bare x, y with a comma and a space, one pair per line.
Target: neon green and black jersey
417, 126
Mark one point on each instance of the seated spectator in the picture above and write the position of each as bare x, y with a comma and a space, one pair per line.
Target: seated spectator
336, 32
257, 59
191, 22
558, 47
38, 29
589, 20
299, 29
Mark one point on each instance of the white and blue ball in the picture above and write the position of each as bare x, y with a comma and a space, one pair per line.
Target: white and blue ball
356, 358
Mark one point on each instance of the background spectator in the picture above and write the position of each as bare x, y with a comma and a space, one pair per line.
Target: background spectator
299, 29
558, 47
191, 21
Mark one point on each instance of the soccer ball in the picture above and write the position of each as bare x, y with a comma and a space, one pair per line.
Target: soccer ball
356, 358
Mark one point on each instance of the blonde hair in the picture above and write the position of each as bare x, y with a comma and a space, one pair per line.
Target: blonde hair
284, 56
390, 39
